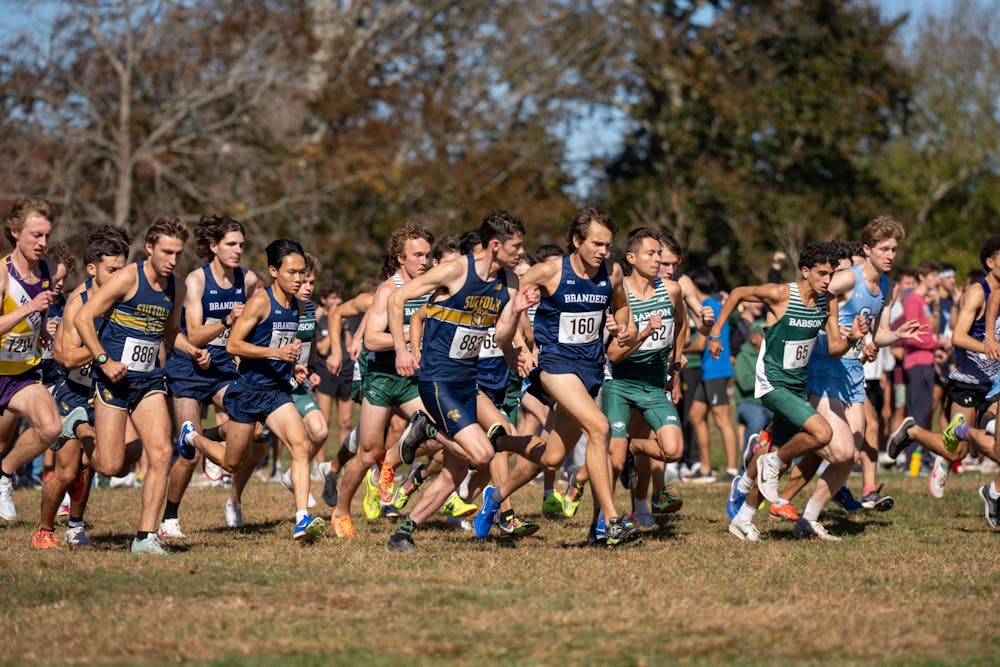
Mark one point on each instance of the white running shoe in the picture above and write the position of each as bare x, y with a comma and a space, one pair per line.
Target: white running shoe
806, 529
63, 506
768, 471
286, 481
213, 471
171, 529
938, 478
126, 481
8, 511
234, 515
76, 535
745, 531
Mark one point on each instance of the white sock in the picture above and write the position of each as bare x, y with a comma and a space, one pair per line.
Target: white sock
733, 471
812, 510
463, 488
745, 484
993, 491
991, 427
641, 506
300, 514
189, 438
746, 514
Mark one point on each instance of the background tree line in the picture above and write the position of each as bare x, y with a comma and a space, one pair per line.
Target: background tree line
749, 126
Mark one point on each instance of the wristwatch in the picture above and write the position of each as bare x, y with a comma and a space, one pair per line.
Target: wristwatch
101, 359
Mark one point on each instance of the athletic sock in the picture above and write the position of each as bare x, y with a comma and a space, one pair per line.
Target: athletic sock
991, 427
300, 514
746, 514
745, 484
993, 491
641, 506
507, 516
547, 492
213, 434
732, 471
141, 535
170, 511
497, 498
46, 469
961, 431
812, 510
75, 522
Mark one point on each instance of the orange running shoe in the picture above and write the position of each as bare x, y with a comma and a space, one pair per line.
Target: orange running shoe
784, 512
44, 539
342, 525
385, 479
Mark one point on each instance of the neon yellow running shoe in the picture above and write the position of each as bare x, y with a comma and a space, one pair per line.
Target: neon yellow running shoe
574, 494
948, 437
552, 505
457, 507
371, 505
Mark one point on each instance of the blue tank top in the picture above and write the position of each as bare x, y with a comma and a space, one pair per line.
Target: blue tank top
216, 304
278, 329
862, 301
134, 327
456, 326
570, 321
974, 367
712, 368
80, 379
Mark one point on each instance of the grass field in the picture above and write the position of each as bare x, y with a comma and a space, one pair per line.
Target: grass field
917, 585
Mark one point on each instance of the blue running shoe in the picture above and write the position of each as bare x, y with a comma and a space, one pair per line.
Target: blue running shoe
487, 514
736, 498
308, 528
184, 446
994, 390
598, 535
845, 499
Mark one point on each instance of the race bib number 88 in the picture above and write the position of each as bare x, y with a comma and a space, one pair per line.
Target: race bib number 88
797, 353
578, 328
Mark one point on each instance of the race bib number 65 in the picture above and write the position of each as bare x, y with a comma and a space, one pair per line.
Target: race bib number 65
797, 353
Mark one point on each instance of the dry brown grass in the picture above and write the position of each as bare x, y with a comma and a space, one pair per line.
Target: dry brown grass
920, 584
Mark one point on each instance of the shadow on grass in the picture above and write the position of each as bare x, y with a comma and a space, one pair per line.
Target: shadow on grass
257, 528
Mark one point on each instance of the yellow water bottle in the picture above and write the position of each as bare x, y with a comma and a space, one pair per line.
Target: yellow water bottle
915, 463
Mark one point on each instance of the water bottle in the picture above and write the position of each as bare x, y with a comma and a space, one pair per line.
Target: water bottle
915, 463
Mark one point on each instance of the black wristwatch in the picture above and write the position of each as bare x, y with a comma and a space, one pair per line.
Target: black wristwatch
101, 359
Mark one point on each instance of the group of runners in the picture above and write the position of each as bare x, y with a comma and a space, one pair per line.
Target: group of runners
468, 350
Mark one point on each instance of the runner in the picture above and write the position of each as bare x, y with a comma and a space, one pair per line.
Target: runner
140, 304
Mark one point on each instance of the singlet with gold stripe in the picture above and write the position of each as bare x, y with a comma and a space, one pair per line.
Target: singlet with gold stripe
134, 327
19, 351
457, 324
788, 344
651, 362
385, 361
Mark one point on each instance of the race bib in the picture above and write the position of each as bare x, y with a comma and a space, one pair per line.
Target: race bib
19, 346
856, 350
81, 376
578, 328
797, 353
139, 355
281, 338
490, 349
303, 359
466, 343
222, 338
661, 338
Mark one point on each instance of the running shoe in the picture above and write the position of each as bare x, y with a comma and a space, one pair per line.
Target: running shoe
736, 498
185, 446
629, 476
402, 539
786, 511
991, 507
371, 505
342, 525
948, 437
747, 532
750, 449
938, 477
846, 499
64, 506
150, 545
552, 505
389, 511
455, 506
808, 530
384, 485
76, 535
573, 496
8, 511
308, 528
517, 527
487, 515
286, 481
171, 529
597, 536
234, 515
994, 390
213, 471
644, 519
876, 501
898, 439
44, 539
414, 479
768, 471
329, 484
700, 477
67, 432
621, 532
666, 503
418, 430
